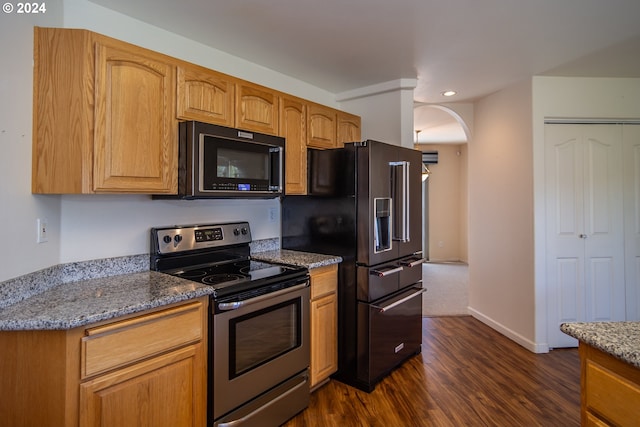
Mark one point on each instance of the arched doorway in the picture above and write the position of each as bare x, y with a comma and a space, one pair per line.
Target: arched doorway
443, 131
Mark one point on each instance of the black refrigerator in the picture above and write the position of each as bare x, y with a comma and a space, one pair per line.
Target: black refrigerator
364, 204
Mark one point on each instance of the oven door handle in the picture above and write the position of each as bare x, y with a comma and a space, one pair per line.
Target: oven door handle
226, 306
382, 309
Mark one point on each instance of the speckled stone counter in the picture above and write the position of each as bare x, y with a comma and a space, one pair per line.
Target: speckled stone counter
618, 339
79, 303
76, 294
304, 259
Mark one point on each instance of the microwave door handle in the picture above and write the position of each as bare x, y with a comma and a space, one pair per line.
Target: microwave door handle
277, 174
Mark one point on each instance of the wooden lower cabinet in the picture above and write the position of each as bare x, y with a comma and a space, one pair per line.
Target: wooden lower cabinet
324, 324
157, 392
148, 369
610, 389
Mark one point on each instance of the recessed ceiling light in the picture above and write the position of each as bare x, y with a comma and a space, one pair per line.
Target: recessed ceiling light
449, 93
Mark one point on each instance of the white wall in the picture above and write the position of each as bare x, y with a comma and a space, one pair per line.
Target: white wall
386, 110
506, 193
500, 167
569, 98
447, 193
89, 227
19, 252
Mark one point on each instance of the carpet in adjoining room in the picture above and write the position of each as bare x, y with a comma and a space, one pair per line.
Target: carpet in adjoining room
447, 286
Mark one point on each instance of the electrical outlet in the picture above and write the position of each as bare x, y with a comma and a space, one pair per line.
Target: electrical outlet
43, 228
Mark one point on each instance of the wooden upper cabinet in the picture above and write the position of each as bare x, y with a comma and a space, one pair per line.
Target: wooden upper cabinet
135, 130
256, 108
104, 116
205, 95
348, 128
293, 125
322, 130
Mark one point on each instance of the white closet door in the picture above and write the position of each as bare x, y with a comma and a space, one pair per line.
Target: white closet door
585, 244
631, 143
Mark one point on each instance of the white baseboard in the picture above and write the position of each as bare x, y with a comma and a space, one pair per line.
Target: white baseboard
513, 336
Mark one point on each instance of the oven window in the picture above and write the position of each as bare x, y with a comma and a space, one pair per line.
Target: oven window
264, 335
242, 164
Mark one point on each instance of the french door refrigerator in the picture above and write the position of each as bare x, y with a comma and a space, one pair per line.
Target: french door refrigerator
364, 203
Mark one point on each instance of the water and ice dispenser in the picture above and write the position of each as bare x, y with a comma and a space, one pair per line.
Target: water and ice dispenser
382, 224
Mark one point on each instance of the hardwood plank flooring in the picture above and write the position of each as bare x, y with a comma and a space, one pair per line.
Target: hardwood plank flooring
467, 375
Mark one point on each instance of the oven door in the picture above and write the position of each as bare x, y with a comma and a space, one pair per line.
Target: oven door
257, 344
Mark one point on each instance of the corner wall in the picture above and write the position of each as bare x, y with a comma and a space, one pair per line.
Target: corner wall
501, 241
581, 98
97, 226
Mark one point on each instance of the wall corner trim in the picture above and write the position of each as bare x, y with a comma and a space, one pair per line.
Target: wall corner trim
390, 86
512, 335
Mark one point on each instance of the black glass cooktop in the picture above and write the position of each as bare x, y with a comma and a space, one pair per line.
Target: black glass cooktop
236, 276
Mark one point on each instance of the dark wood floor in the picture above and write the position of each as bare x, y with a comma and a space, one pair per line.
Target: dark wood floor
467, 375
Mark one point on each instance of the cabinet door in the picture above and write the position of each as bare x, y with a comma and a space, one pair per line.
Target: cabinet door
135, 146
256, 108
324, 333
348, 128
322, 131
324, 323
163, 391
293, 125
205, 95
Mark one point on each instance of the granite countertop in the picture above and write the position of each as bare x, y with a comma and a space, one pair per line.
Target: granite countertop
79, 303
76, 294
619, 339
304, 259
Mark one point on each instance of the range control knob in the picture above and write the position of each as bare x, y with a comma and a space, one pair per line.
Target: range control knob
177, 238
166, 239
236, 231
244, 230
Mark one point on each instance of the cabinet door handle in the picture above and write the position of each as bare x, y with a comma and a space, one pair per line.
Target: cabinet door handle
583, 236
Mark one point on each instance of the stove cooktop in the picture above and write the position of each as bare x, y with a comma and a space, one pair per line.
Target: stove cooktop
216, 255
228, 274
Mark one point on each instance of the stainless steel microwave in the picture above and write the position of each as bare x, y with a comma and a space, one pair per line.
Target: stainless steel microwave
222, 162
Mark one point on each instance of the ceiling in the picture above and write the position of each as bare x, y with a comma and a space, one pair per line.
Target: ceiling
471, 46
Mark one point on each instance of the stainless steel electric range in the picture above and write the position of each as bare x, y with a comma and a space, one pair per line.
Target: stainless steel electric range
258, 327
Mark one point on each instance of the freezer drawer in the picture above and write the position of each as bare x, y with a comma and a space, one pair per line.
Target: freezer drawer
385, 279
411, 270
379, 281
391, 332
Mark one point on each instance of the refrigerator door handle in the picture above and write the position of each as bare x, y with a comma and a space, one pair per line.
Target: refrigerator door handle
400, 196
